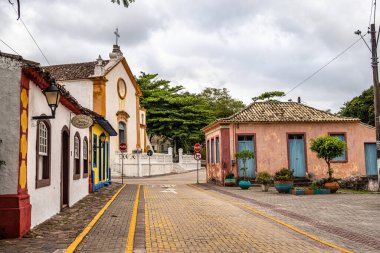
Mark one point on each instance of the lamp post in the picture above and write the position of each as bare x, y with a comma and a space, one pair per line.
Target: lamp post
52, 94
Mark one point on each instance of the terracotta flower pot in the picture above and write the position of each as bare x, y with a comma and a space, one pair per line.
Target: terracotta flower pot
333, 186
309, 191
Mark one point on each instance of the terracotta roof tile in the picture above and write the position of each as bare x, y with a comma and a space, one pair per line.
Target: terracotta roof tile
284, 112
73, 71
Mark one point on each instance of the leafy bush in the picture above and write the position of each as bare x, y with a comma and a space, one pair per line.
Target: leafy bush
328, 148
244, 155
283, 175
264, 177
229, 175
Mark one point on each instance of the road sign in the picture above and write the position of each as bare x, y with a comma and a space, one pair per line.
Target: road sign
197, 147
197, 156
123, 147
149, 153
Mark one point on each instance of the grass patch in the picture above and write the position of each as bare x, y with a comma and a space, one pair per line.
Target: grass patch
354, 191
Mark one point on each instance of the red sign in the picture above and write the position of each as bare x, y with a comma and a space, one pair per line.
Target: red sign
123, 147
197, 156
197, 147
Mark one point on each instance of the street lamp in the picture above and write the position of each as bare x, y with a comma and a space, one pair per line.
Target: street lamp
52, 94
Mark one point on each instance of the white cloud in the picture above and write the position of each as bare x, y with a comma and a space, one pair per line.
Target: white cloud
247, 46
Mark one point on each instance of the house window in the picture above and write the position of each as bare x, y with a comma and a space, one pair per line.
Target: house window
208, 151
43, 154
85, 156
122, 130
142, 118
343, 156
94, 151
217, 150
76, 156
212, 151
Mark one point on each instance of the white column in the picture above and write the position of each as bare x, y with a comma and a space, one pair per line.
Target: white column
180, 154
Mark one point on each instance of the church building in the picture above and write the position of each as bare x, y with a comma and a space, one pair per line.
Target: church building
108, 87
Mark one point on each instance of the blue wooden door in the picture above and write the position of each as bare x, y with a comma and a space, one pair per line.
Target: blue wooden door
370, 158
297, 155
246, 143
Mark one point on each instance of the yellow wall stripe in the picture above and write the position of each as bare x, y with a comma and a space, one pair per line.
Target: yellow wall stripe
90, 225
132, 225
276, 220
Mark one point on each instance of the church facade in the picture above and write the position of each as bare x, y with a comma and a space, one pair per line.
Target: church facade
108, 87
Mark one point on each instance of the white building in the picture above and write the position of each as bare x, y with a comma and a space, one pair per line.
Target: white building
46, 160
108, 87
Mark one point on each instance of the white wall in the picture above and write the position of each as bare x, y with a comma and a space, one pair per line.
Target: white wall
10, 77
82, 90
46, 201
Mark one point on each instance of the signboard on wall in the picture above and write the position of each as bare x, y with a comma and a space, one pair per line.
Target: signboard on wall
81, 121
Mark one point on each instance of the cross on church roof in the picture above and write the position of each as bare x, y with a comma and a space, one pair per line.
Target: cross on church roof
117, 34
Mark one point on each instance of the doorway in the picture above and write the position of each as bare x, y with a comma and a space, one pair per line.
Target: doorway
65, 168
297, 158
370, 153
246, 142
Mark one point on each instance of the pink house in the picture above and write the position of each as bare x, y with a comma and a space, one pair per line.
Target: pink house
279, 134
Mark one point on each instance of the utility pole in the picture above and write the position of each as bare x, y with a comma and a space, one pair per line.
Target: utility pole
376, 89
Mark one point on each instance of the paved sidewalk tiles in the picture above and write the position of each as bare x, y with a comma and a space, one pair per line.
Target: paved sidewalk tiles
59, 231
193, 221
340, 219
110, 233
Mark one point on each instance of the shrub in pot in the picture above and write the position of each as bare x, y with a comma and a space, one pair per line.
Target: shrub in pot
283, 180
328, 148
229, 179
244, 155
264, 178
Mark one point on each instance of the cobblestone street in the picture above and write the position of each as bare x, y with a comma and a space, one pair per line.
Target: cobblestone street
173, 214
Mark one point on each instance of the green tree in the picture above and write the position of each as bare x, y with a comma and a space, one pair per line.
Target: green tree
173, 113
221, 102
244, 155
327, 148
269, 95
361, 107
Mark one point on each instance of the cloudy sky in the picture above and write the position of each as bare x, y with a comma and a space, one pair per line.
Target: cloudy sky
246, 46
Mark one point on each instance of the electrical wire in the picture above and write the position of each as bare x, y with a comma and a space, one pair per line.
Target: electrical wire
9, 47
324, 66
34, 40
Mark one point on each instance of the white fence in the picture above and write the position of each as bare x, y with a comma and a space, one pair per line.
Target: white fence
140, 165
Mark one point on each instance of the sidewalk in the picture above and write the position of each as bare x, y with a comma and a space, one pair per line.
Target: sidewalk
59, 231
110, 233
349, 220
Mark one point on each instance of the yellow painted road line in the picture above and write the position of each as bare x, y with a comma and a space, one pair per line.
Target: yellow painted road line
275, 220
147, 228
90, 225
132, 225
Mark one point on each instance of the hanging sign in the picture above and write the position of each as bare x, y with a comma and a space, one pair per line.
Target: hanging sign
81, 121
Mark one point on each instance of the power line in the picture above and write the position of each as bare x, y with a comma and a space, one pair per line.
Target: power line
324, 66
9, 47
35, 42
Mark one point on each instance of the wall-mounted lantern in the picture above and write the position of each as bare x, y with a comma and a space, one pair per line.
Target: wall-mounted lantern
52, 94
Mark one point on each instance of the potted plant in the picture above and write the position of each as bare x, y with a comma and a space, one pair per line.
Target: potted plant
229, 179
244, 155
328, 148
283, 180
264, 178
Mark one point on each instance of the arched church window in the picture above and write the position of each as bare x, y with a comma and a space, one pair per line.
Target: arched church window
122, 133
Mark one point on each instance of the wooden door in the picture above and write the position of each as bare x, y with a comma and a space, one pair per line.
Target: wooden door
297, 161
